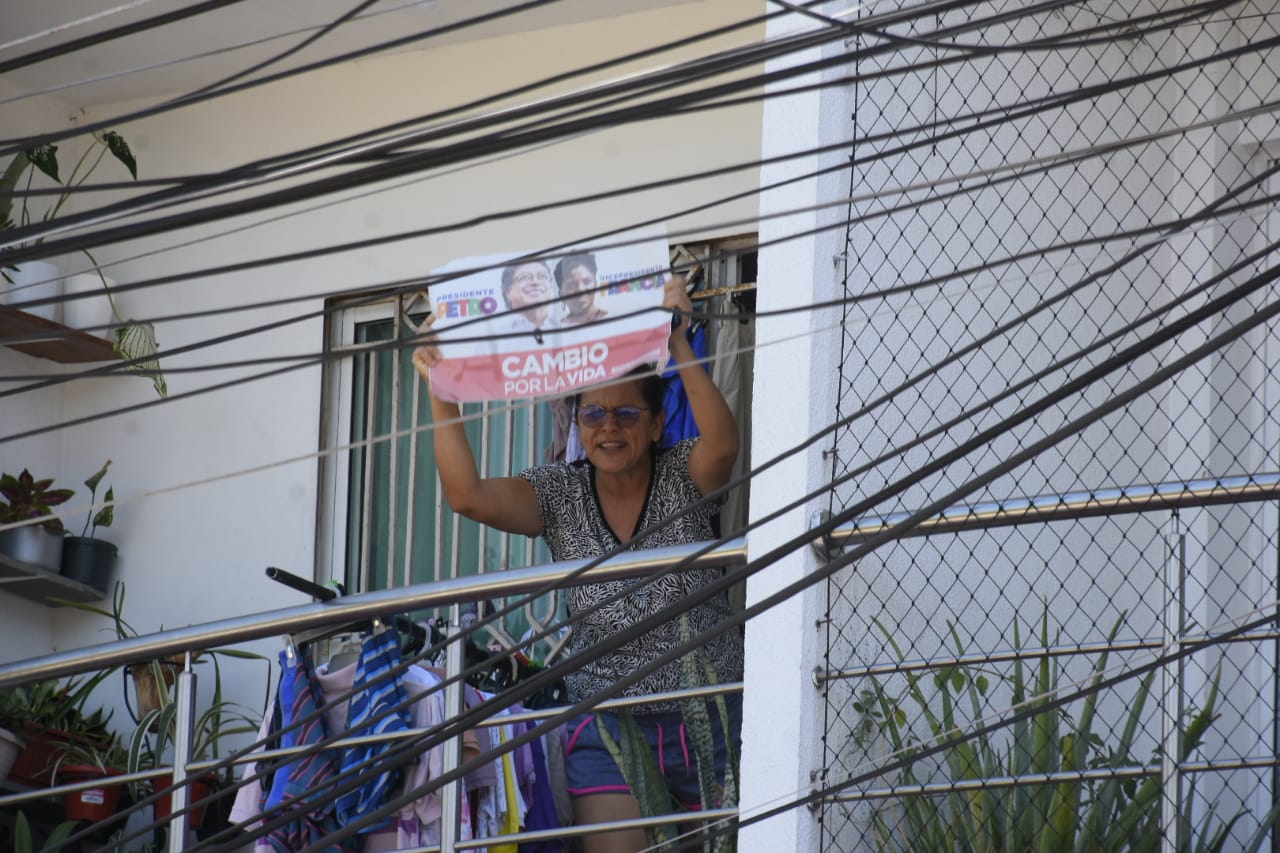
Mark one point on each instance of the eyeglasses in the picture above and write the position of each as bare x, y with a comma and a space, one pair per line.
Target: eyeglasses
594, 417
522, 278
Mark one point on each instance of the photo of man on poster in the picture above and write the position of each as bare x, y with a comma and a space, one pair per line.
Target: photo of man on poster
527, 291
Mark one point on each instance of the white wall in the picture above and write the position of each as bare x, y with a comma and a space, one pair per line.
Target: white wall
26, 628
793, 397
216, 486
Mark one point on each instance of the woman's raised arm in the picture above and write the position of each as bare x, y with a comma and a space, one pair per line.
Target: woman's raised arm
505, 503
711, 460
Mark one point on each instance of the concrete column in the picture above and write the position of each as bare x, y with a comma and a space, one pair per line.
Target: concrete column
796, 367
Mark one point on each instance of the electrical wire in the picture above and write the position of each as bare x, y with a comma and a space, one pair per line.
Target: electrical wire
1150, 75
112, 369
1118, 360
396, 166
94, 39
78, 22
14, 145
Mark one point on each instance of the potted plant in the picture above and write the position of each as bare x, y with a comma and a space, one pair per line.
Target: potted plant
85, 558
152, 679
152, 746
132, 339
82, 761
49, 715
26, 498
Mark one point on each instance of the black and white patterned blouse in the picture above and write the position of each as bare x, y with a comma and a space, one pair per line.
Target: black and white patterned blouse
573, 526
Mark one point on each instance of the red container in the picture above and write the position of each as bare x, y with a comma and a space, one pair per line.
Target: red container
197, 790
92, 804
34, 767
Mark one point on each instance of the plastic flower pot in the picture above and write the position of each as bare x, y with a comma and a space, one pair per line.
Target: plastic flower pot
92, 805
197, 789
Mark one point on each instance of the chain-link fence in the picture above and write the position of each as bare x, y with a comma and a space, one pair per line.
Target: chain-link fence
1078, 228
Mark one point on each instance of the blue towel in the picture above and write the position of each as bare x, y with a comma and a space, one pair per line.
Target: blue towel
306, 777
373, 695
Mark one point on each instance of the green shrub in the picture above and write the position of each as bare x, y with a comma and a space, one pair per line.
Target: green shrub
1117, 813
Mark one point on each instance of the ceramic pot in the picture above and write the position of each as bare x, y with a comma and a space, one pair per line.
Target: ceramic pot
33, 544
147, 688
11, 747
90, 313
90, 561
34, 280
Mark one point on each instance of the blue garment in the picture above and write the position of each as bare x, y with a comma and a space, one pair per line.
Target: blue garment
288, 733
374, 694
679, 423
542, 809
305, 785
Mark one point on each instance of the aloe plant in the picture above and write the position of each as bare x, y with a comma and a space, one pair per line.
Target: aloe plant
636, 761
1115, 814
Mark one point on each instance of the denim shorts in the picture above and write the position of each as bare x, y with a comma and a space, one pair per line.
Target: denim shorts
592, 770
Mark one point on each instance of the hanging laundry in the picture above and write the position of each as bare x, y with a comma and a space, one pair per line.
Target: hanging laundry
678, 423
304, 784
378, 706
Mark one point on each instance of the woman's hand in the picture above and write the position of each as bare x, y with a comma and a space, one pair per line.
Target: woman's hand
676, 298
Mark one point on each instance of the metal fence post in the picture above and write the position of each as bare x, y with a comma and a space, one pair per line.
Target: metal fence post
450, 794
184, 720
1171, 686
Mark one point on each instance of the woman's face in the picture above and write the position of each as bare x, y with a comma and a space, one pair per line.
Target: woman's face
578, 290
530, 284
612, 447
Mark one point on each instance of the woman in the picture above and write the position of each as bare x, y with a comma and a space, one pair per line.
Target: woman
626, 485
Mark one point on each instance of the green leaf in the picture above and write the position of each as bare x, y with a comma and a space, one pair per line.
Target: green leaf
107, 514
45, 158
9, 184
93, 481
982, 684
120, 149
136, 341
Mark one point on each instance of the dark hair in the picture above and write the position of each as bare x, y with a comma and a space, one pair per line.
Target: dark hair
579, 259
509, 273
652, 388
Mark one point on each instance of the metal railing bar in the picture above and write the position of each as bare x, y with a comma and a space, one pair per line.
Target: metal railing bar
705, 816
362, 606
1009, 655
73, 787
196, 767
1098, 775
1177, 494
961, 785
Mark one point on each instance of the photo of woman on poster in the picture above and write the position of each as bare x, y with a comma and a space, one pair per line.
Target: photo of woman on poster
576, 278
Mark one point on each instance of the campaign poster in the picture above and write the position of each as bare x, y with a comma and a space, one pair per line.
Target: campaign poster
547, 327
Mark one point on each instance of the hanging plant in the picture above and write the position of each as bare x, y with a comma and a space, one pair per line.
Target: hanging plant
133, 340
